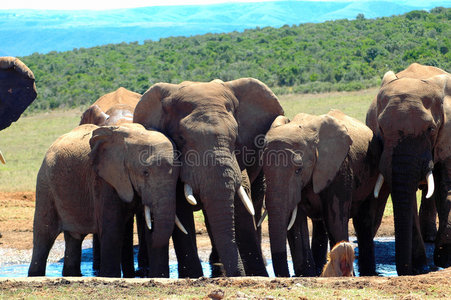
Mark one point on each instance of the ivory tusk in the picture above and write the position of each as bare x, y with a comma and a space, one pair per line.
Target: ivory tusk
265, 213
180, 225
2, 159
246, 201
189, 194
377, 187
147, 217
293, 217
430, 180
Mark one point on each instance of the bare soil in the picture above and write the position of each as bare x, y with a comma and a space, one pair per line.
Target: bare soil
16, 229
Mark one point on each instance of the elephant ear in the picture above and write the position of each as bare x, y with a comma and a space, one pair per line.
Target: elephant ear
279, 121
388, 77
94, 115
443, 143
149, 110
107, 156
332, 148
258, 108
17, 90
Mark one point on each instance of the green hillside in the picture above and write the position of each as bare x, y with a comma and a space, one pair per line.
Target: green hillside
336, 55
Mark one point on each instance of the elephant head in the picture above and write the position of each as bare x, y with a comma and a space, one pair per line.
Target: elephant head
214, 125
410, 115
136, 161
17, 91
308, 151
114, 108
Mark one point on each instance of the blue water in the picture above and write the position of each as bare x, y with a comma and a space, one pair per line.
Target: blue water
384, 248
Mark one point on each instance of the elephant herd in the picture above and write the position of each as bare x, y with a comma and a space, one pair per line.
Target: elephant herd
227, 149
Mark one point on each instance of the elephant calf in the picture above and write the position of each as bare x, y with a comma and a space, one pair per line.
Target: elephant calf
89, 182
331, 160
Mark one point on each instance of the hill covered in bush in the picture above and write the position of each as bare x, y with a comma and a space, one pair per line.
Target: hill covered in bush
334, 55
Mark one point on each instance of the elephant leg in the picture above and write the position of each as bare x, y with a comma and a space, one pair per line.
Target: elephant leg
363, 225
127, 258
428, 216
298, 240
45, 231
419, 260
185, 245
248, 241
112, 236
95, 253
216, 267
319, 245
72, 255
143, 261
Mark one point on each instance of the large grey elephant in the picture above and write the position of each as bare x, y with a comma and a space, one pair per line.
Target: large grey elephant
215, 126
411, 115
90, 181
114, 109
17, 91
324, 167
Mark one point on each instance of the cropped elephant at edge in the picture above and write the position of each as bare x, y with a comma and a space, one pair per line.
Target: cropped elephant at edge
90, 182
411, 115
214, 126
17, 91
114, 108
324, 167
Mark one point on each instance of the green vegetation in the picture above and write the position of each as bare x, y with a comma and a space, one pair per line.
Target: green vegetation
338, 55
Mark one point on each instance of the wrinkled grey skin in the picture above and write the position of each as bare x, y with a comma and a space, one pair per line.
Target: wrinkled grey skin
411, 116
217, 122
326, 166
89, 182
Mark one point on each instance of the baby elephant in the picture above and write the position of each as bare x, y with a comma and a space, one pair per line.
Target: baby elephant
90, 181
340, 261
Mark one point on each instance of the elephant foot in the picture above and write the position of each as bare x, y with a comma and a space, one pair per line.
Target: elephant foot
442, 256
142, 272
217, 270
429, 234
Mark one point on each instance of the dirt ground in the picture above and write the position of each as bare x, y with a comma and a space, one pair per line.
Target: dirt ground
17, 211
16, 228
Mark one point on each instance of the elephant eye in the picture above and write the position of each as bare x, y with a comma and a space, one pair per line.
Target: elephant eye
431, 129
146, 173
298, 171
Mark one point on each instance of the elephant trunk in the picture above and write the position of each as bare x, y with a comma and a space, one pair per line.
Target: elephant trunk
163, 219
277, 225
216, 181
405, 177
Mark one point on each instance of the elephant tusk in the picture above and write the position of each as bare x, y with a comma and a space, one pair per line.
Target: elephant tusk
189, 194
265, 213
147, 217
293, 217
377, 187
430, 180
180, 225
2, 159
246, 201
